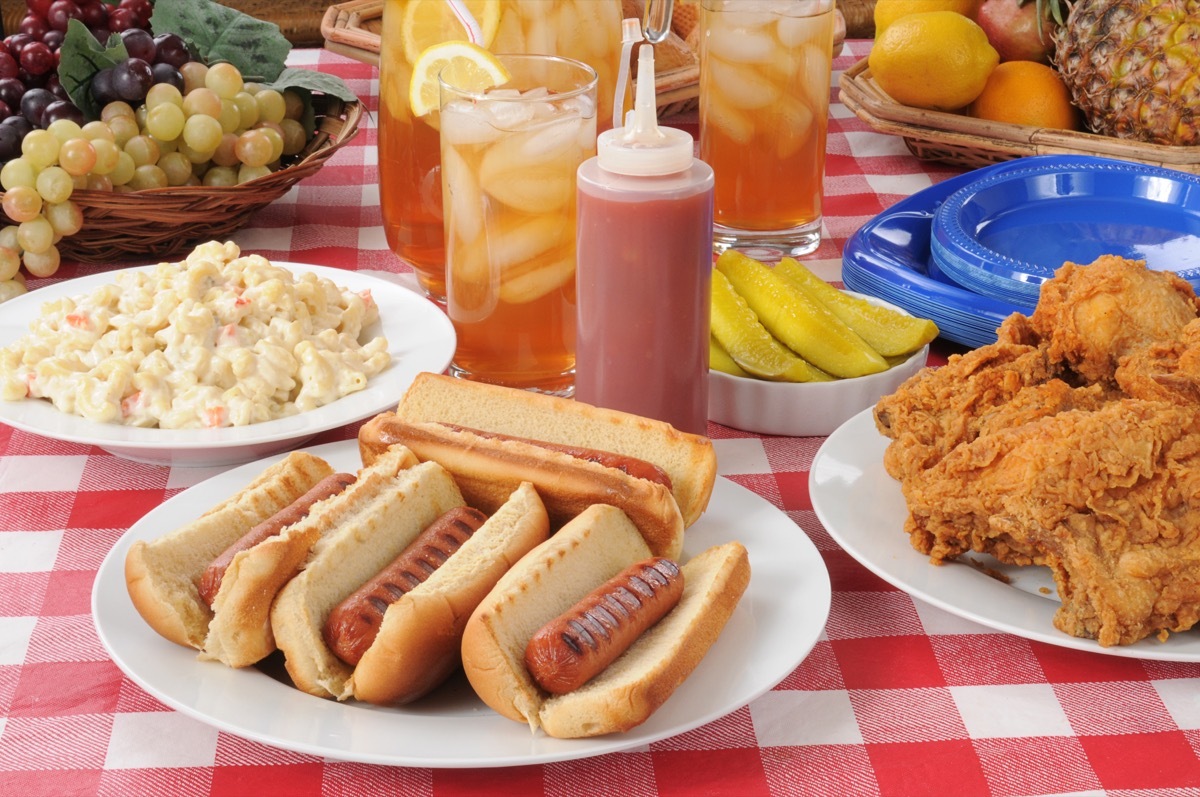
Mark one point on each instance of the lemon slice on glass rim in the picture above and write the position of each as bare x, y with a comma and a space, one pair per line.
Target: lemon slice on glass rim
430, 22
467, 66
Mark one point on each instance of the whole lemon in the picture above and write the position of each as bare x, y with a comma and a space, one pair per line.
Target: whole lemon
938, 60
1026, 93
888, 11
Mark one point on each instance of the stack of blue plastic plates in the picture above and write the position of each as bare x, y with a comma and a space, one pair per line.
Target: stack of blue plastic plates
1004, 234
973, 249
889, 257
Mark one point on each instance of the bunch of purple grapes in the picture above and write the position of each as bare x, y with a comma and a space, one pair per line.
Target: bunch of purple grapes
31, 95
151, 60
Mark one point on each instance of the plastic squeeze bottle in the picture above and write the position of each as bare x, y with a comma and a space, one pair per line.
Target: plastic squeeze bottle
644, 268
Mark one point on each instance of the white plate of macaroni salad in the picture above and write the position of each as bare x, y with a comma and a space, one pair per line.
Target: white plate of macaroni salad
218, 359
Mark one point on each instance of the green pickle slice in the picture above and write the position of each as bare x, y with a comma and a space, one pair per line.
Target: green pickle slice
749, 344
806, 326
890, 333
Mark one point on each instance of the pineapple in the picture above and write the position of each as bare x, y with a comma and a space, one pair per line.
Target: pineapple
1133, 66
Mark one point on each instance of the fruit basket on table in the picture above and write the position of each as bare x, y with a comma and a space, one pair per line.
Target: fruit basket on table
965, 141
158, 222
161, 222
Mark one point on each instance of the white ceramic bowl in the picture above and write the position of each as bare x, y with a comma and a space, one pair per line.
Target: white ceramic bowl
803, 409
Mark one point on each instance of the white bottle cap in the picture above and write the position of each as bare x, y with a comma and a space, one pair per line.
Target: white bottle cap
642, 148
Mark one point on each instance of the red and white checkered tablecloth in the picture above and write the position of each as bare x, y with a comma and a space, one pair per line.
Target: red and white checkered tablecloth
897, 699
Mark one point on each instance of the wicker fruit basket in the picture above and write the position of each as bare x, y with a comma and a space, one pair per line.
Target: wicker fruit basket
298, 20
161, 222
965, 141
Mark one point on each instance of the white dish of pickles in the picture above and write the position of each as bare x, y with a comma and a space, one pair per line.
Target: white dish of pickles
777, 369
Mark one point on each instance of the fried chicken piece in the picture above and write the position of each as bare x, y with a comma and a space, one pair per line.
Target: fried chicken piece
949, 514
1089, 317
1167, 371
1072, 442
1105, 498
938, 408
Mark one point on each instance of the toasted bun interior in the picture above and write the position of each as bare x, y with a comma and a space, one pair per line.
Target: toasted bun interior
633, 687
240, 633
419, 642
379, 516
592, 548
550, 580
688, 459
161, 574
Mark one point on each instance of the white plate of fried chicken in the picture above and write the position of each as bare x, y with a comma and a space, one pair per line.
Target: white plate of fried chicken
1070, 449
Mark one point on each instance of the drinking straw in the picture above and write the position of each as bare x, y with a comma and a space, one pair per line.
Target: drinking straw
464, 15
631, 33
657, 20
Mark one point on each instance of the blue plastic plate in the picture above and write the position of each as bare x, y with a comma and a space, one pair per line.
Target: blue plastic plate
889, 257
1006, 232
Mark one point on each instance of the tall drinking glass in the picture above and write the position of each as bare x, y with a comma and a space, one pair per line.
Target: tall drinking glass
410, 182
509, 157
764, 110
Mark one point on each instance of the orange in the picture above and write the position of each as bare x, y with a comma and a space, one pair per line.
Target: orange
1026, 93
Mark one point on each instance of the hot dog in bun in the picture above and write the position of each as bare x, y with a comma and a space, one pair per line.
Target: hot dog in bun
492, 438
570, 587
377, 612
209, 584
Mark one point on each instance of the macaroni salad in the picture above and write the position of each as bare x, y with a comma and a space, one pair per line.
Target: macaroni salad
216, 340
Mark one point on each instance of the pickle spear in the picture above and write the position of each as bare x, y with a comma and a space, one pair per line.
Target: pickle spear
747, 341
719, 360
886, 331
805, 326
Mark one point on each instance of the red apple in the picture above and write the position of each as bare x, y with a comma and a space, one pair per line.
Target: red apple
1012, 28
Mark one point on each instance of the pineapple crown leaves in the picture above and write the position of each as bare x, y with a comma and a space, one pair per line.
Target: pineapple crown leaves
1056, 10
1059, 10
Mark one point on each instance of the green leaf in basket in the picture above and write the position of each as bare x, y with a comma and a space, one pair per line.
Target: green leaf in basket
304, 82
313, 81
80, 59
219, 33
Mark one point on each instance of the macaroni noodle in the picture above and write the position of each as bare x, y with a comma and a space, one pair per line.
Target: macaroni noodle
219, 339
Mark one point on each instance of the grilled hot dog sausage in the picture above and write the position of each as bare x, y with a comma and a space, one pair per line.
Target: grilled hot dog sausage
571, 649
354, 623
637, 468
210, 580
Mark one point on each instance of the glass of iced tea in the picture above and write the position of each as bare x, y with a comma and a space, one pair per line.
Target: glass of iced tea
764, 111
410, 182
509, 157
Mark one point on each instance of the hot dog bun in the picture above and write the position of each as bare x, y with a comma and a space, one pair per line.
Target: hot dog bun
688, 459
418, 644
488, 469
161, 574
589, 550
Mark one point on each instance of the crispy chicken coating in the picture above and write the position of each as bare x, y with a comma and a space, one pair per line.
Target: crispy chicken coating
1073, 442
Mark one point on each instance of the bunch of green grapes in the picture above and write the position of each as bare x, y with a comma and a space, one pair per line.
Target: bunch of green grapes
215, 131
